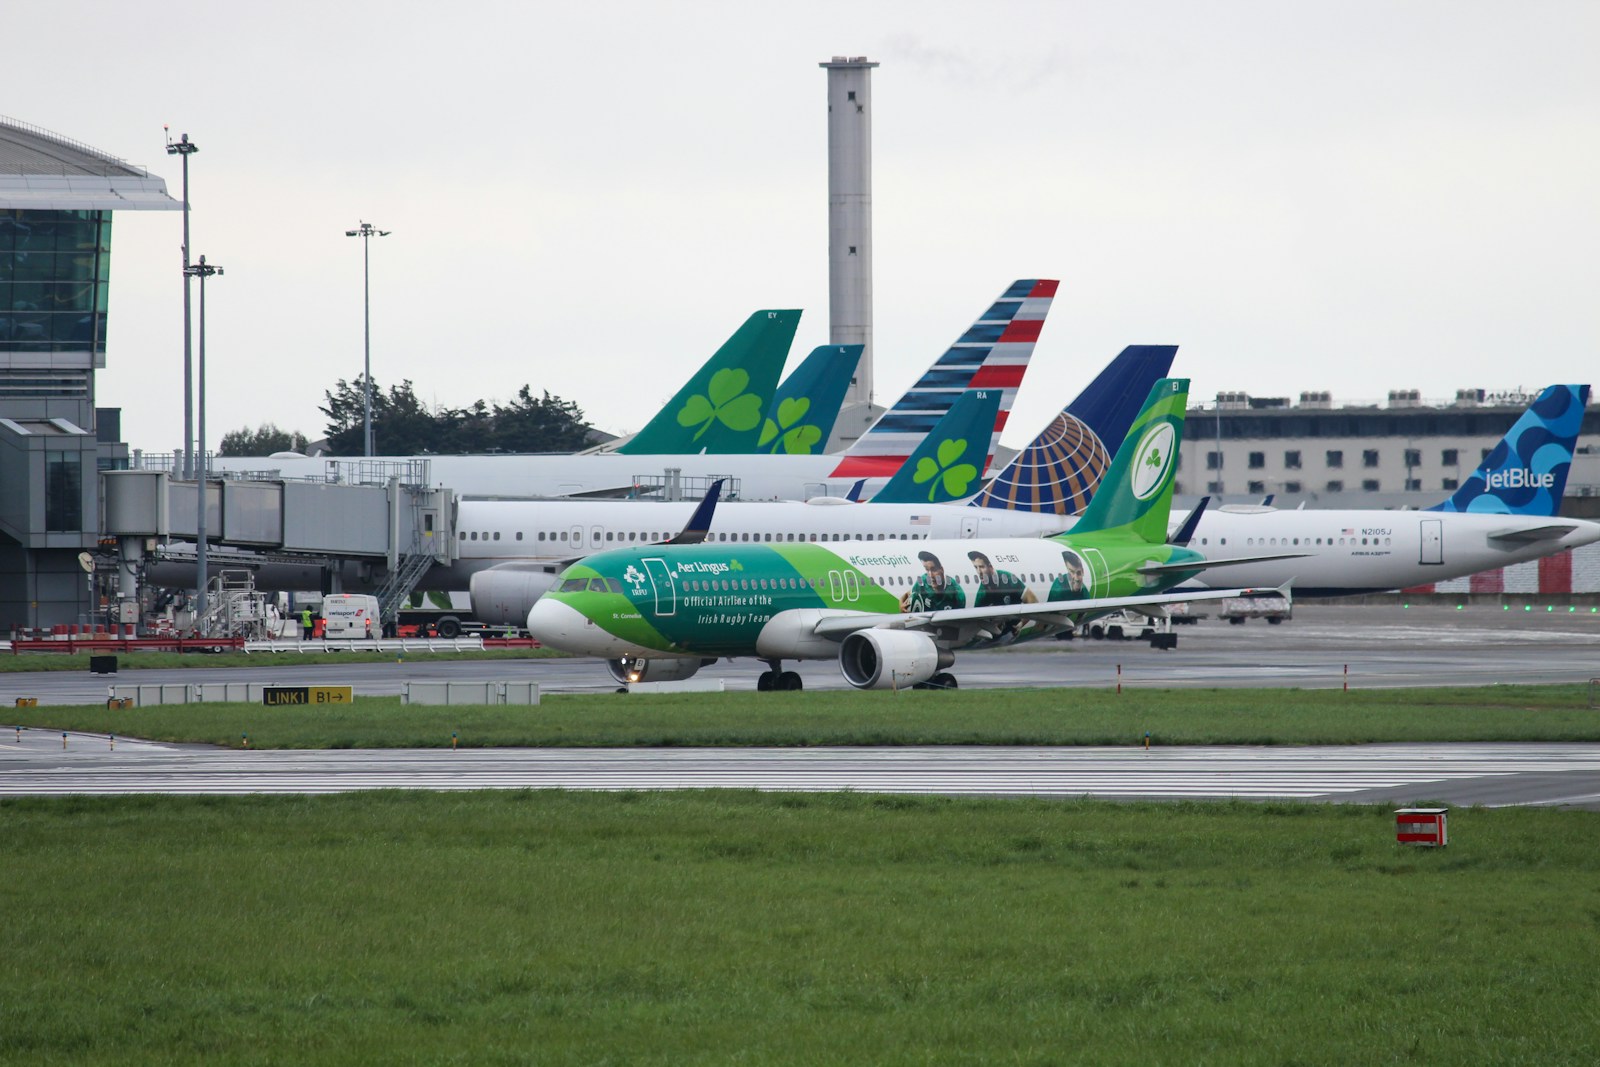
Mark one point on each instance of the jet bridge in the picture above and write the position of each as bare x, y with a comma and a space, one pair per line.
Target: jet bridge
403, 526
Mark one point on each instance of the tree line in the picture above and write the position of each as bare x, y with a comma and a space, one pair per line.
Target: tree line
403, 425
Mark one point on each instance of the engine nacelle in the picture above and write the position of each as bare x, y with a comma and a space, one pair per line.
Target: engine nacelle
890, 659
504, 595
629, 669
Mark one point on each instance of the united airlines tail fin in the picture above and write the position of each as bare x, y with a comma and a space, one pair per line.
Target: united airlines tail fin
803, 411
1136, 494
1059, 470
1526, 473
948, 464
992, 354
720, 409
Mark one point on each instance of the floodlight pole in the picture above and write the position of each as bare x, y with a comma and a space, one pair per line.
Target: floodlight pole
366, 232
201, 270
184, 148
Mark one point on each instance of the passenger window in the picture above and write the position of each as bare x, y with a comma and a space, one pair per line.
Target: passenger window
563, 535
463, 532
519, 535
497, 535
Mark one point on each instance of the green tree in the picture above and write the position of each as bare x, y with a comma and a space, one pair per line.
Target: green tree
403, 425
262, 441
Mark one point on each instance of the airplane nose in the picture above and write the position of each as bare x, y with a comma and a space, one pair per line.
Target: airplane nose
556, 624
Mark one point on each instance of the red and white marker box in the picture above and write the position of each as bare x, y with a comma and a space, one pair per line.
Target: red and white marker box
1422, 826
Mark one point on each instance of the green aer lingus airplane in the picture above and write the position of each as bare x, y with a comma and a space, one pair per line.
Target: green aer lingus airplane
892, 613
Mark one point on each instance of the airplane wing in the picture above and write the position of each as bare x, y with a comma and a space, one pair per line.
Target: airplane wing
1062, 611
1203, 564
1552, 532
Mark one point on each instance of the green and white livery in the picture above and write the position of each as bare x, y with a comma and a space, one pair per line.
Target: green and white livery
892, 613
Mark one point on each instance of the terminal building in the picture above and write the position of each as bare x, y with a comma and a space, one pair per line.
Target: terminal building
1401, 452
57, 200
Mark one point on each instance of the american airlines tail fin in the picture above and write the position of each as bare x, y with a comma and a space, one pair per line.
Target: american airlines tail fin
948, 464
1059, 470
992, 354
1136, 494
720, 408
1526, 473
802, 413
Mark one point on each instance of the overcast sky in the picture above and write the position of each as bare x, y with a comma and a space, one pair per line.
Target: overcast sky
1355, 197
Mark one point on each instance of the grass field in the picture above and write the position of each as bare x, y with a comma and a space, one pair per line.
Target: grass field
997, 717
737, 928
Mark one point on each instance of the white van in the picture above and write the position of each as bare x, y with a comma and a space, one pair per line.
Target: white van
346, 617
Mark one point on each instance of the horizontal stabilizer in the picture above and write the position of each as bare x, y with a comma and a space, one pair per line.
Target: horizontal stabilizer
1554, 531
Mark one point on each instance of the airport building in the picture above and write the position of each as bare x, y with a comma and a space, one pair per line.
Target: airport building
57, 199
1401, 452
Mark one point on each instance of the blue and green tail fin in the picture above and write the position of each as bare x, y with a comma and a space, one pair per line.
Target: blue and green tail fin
801, 415
721, 407
948, 464
1136, 494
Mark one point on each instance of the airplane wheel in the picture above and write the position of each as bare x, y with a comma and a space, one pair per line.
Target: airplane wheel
790, 682
764, 682
942, 680
1236, 621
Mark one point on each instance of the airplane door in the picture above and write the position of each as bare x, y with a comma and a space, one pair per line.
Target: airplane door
666, 589
1432, 541
969, 524
1099, 572
577, 536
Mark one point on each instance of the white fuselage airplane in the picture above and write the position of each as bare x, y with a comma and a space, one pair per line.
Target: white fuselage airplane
1349, 552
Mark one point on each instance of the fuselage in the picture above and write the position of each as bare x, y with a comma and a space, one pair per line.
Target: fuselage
749, 600
1363, 551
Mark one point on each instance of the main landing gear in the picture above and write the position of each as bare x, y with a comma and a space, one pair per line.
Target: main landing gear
942, 680
778, 679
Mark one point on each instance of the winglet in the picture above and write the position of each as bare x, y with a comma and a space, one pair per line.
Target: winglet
1185, 532
855, 490
699, 525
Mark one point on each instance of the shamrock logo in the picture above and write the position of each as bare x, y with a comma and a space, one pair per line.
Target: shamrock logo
955, 477
634, 577
735, 565
724, 401
1153, 458
795, 440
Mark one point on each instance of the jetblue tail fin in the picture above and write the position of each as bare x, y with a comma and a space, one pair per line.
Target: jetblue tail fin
1136, 495
1059, 470
720, 408
948, 465
992, 354
1526, 473
803, 411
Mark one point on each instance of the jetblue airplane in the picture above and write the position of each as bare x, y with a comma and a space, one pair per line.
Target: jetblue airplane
1505, 513
892, 616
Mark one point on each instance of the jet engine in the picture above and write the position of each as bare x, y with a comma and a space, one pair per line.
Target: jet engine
890, 659
636, 669
504, 595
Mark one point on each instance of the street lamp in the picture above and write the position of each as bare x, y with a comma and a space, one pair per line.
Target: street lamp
366, 233
201, 270
185, 148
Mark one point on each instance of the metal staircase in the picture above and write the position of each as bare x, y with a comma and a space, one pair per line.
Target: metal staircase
402, 580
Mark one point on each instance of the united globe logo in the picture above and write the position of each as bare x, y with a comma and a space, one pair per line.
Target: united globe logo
1151, 460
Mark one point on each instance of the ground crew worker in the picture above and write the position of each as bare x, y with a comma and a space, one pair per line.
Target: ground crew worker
305, 624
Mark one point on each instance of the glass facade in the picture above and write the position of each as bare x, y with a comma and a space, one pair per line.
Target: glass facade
54, 269
63, 492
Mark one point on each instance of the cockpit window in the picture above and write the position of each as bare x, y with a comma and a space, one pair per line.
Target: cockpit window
597, 585
613, 585
574, 585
